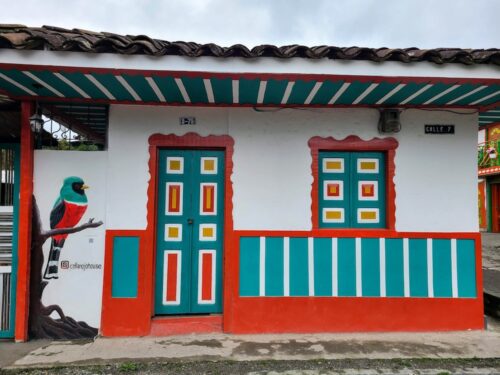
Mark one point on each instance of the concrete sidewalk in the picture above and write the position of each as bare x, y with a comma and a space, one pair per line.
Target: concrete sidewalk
219, 347
491, 263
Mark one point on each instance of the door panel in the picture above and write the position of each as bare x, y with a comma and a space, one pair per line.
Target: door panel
189, 232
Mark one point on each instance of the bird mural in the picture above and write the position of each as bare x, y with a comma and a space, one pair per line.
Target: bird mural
66, 213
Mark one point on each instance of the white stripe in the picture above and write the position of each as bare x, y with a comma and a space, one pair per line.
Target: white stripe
182, 89
492, 111
288, 91
430, 272
155, 88
335, 283
359, 291
262, 91
391, 93
310, 264
370, 88
466, 95
485, 116
43, 83
98, 84
11, 81
485, 98
5, 269
406, 266
209, 90
454, 275
338, 93
313, 92
414, 95
72, 85
236, 91
286, 266
262, 267
129, 88
53, 263
448, 90
382, 268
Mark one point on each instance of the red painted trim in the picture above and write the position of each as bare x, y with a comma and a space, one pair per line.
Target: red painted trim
246, 75
171, 287
206, 278
353, 233
483, 222
189, 140
168, 326
24, 224
354, 143
124, 316
353, 314
50, 99
495, 225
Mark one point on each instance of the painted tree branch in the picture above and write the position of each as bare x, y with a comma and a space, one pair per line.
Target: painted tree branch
41, 324
54, 232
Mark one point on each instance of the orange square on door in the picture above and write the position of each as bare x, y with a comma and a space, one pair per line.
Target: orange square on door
209, 165
367, 190
333, 190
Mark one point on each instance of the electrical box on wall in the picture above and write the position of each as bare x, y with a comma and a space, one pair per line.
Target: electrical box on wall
389, 121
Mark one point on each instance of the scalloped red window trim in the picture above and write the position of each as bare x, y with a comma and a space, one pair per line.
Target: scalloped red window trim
354, 143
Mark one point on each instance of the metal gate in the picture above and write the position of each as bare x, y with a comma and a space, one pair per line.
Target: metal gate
9, 197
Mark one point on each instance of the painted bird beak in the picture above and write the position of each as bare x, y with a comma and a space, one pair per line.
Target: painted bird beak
85, 187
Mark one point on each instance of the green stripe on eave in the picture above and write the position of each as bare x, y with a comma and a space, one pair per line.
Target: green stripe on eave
380, 91
27, 82
10, 88
196, 90
436, 89
478, 95
116, 89
354, 90
458, 92
141, 87
223, 90
326, 92
275, 90
58, 84
300, 91
404, 93
169, 89
83, 83
248, 90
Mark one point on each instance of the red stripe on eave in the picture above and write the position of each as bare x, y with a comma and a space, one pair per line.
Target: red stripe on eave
261, 76
50, 99
24, 224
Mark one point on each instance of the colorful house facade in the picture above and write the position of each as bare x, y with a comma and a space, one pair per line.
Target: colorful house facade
288, 189
488, 160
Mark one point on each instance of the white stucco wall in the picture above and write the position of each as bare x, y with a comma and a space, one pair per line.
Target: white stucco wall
435, 174
77, 291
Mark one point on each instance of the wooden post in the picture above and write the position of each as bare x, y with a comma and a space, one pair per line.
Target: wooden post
24, 225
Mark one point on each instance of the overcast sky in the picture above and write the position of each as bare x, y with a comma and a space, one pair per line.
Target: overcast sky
371, 23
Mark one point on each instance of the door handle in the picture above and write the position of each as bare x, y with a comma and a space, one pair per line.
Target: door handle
190, 221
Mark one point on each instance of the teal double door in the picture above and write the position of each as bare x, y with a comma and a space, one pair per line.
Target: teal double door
190, 229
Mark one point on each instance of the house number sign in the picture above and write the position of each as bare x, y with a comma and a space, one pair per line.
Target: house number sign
439, 129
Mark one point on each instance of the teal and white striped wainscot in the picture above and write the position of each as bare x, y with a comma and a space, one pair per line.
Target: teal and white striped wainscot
403, 265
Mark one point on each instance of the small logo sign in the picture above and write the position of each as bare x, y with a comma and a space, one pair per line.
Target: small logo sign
187, 120
64, 264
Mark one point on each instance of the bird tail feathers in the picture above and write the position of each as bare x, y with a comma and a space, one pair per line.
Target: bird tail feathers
52, 266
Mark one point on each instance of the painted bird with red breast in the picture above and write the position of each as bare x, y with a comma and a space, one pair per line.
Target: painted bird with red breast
69, 208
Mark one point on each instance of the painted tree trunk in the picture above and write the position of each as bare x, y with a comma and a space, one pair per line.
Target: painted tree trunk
41, 324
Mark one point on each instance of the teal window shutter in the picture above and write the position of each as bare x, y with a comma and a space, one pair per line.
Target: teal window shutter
352, 190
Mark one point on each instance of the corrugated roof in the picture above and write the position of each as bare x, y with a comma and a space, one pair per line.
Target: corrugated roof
59, 39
